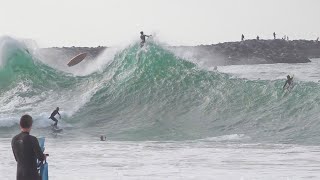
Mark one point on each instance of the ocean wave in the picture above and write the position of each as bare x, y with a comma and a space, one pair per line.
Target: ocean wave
153, 94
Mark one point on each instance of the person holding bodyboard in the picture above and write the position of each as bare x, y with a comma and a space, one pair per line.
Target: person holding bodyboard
26, 151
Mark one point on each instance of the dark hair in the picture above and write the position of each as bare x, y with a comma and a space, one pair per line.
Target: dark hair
26, 121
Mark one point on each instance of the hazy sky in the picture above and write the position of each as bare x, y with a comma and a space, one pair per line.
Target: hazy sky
176, 22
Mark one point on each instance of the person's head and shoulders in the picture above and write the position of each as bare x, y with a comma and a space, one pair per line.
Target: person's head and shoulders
289, 79
103, 138
26, 122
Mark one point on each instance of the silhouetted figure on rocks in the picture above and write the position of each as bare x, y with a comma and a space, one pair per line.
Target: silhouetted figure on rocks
258, 38
274, 35
242, 37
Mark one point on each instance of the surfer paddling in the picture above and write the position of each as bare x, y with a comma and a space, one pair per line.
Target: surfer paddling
26, 151
143, 38
55, 112
288, 81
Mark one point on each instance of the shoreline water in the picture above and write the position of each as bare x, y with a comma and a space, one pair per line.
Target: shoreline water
173, 160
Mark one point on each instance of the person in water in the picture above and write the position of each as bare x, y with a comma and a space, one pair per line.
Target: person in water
103, 138
143, 38
288, 81
26, 151
55, 112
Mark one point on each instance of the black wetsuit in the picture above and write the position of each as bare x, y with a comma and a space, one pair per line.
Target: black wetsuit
26, 151
55, 112
289, 82
143, 39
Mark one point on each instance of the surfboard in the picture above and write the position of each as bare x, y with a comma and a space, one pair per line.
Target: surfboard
77, 59
56, 130
44, 166
289, 87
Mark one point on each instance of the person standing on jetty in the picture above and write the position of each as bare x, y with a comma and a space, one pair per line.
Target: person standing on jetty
26, 151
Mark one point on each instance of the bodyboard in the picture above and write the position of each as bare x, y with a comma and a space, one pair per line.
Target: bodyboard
44, 166
44, 171
56, 129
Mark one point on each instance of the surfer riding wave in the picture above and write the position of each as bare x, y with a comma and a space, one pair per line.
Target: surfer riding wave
143, 38
55, 112
288, 84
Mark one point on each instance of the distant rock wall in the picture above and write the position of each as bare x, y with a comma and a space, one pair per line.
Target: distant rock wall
228, 53
256, 52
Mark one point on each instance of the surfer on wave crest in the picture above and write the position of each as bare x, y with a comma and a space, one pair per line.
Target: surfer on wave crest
288, 81
143, 38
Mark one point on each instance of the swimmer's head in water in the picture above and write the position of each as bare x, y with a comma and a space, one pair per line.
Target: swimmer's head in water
288, 77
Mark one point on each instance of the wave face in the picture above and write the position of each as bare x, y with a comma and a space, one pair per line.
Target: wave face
154, 95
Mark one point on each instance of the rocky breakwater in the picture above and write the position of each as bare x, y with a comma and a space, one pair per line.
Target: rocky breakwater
255, 52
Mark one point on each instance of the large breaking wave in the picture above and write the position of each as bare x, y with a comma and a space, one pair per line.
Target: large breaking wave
155, 95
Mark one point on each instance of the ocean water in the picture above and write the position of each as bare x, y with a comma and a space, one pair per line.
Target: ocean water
165, 117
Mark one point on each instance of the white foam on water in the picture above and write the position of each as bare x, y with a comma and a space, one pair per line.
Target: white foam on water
301, 71
231, 137
93, 159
